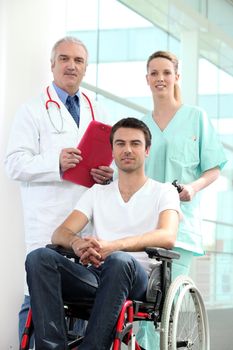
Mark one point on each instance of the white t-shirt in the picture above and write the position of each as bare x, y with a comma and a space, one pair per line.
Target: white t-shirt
115, 219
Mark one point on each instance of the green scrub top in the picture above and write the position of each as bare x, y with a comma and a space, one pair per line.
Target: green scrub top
186, 148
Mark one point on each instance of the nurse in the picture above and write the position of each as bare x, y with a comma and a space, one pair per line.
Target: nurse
42, 146
185, 147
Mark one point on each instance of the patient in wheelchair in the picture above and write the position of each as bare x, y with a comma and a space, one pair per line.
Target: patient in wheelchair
129, 214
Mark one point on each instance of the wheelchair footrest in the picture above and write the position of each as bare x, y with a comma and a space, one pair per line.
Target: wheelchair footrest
121, 334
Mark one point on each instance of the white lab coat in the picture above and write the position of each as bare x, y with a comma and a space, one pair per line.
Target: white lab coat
33, 159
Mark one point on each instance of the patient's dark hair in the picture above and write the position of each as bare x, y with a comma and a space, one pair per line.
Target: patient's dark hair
132, 123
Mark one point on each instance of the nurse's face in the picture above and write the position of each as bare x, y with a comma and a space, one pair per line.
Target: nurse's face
69, 66
161, 77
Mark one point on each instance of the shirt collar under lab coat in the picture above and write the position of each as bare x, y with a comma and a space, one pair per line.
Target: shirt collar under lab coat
63, 94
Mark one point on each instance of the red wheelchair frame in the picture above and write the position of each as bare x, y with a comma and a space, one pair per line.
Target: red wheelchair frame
163, 310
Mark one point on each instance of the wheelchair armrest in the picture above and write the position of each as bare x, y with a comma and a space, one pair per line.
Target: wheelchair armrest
162, 253
153, 252
69, 253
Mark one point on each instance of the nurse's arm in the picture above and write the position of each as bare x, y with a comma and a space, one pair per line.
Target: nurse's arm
67, 234
189, 190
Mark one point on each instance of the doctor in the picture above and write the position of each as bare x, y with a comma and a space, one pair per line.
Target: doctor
42, 146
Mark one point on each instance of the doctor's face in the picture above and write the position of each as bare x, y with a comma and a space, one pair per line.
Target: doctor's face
69, 66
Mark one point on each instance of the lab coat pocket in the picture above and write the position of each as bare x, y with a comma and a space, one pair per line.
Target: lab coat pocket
185, 151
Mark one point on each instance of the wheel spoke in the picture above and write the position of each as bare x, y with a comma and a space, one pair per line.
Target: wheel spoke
188, 326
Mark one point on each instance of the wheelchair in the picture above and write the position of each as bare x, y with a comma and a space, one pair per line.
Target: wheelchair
176, 309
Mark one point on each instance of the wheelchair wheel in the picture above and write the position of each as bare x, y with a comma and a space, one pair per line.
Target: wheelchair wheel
184, 323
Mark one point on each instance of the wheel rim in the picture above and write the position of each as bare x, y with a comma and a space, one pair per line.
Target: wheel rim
188, 329
172, 324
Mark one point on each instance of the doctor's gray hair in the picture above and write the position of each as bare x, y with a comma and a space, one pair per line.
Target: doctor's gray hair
66, 39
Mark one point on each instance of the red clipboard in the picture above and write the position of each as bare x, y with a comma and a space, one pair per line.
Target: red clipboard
96, 150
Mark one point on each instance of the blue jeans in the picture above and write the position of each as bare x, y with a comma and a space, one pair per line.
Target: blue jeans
79, 325
53, 278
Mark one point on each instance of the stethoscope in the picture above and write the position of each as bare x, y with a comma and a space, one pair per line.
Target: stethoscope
50, 100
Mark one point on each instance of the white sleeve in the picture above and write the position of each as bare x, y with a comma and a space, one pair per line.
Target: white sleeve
169, 199
24, 159
86, 203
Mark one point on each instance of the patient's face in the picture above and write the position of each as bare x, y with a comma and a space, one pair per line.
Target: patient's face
129, 149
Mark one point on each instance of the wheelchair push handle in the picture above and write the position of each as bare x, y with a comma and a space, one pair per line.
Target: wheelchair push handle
177, 186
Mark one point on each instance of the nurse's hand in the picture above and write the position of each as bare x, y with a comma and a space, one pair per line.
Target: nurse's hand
102, 175
187, 193
69, 157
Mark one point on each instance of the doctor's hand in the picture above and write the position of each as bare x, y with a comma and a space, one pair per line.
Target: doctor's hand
69, 157
102, 175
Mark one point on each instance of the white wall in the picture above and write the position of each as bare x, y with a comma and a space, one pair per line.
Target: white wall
28, 29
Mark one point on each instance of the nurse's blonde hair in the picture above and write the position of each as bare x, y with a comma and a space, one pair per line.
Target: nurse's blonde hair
171, 57
66, 39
